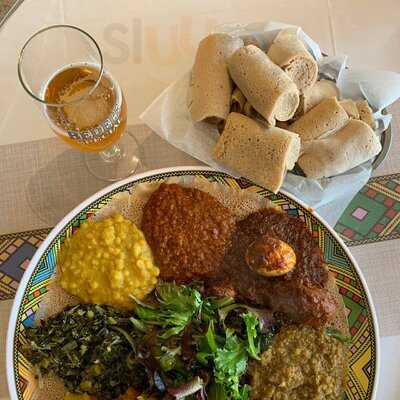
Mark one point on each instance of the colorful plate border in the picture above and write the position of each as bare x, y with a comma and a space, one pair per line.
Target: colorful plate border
370, 342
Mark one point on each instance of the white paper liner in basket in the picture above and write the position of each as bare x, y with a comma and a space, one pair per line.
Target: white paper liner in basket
169, 117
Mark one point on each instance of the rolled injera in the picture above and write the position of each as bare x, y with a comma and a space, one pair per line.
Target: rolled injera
289, 52
210, 87
259, 154
238, 101
350, 107
250, 112
313, 95
351, 146
250, 39
325, 117
282, 124
267, 88
365, 112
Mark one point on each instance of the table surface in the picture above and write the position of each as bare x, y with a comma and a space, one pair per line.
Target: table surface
149, 44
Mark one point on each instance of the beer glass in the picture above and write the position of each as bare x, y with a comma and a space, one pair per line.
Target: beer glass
61, 67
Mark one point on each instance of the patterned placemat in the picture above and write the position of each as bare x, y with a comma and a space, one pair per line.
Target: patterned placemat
16, 250
373, 215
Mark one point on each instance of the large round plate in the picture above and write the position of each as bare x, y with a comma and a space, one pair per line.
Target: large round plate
363, 366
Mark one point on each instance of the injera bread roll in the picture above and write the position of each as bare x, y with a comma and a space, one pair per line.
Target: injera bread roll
268, 89
325, 117
250, 39
366, 113
339, 320
289, 52
238, 101
248, 110
210, 88
350, 107
282, 124
341, 151
259, 154
313, 95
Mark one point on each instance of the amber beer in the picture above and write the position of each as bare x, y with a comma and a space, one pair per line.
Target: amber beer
89, 122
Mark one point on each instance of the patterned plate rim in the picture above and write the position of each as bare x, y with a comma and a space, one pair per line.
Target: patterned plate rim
132, 179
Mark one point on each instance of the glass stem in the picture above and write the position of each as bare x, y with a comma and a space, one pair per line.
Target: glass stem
111, 154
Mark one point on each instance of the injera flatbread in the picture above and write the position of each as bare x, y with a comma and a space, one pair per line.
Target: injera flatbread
268, 89
261, 155
365, 112
341, 151
289, 52
130, 205
313, 95
238, 101
350, 107
327, 116
210, 88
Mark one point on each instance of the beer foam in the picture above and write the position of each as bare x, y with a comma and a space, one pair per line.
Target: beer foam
95, 113
93, 109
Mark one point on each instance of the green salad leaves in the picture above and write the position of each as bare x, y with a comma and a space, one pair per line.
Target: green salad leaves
175, 345
220, 348
230, 363
176, 307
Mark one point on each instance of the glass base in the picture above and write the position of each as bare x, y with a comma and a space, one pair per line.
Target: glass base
116, 163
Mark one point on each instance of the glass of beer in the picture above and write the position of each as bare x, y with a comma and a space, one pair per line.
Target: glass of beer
61, 67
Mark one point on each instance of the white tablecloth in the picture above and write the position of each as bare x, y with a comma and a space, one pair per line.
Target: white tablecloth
148, 44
